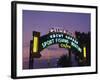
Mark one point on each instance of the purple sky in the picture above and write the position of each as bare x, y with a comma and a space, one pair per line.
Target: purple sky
42, 21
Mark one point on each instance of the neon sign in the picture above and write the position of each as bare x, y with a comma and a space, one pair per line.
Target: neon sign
60, 30
65, 46
59, 38
62, 39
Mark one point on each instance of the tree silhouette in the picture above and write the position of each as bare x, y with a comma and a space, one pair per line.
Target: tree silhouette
84, 40
64, 61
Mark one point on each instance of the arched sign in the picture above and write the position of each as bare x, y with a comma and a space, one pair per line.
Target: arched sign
64, 40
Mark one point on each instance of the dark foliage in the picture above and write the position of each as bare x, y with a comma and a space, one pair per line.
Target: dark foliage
64, 61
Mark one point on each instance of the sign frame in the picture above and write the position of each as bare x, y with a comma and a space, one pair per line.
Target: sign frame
14, 38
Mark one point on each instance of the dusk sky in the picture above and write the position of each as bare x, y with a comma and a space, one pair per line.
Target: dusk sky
42, 21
